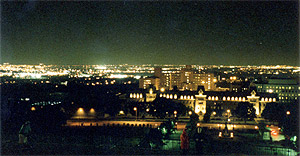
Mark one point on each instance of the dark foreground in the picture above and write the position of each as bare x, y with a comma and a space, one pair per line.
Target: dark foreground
124, 141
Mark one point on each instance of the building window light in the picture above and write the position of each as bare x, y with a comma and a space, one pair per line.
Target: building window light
175, 96
274, 99
130, 95
262, 99
232, 98
209, 98
217, 98
141, 95
224, 98
168, 96
240, 98
228, 98
134, 95
171, 96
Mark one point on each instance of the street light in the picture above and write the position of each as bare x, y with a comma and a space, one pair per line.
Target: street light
147, 110
228, 112
175, 113
135, 109
190, 112
288, 112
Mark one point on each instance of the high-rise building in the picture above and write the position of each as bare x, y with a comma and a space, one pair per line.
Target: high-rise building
184, 79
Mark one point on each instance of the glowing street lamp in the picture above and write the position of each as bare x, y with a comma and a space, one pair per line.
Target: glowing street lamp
175, 113
32, 108
214, 113
228, 112
80, 110
288, 112
190, 112
147, 110
135, 109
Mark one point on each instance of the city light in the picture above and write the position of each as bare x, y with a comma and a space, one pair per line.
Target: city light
190, 112
288, 112
33, 109
92, 111
273, 132
80, 111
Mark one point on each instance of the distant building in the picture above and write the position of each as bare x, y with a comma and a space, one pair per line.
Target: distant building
288, 90
202, 100
184, 79
148, 82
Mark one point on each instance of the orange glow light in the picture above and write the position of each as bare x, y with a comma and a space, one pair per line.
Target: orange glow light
32, 108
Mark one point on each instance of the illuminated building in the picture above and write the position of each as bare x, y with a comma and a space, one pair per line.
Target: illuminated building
183, 78
149, 81
288, 90
201, 100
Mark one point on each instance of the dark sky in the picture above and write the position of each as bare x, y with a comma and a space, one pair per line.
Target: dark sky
205, 33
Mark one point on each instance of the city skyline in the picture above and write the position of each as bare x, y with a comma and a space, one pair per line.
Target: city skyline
204, 33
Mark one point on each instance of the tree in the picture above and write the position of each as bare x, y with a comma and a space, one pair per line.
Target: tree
277, 112
163, 105
192, 124
245, 110
274, 111
207, 115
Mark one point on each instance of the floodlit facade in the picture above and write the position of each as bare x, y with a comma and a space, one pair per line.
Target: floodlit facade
201, 100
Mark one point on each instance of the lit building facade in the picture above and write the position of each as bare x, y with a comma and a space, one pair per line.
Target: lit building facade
148, 82
184, 79
288, 90
201, 100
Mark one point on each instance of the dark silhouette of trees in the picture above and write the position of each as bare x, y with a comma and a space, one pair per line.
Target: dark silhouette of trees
274, 111
245, 110
277, 112
207, 115
160, 106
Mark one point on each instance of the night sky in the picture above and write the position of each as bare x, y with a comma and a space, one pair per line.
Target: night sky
174, 32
